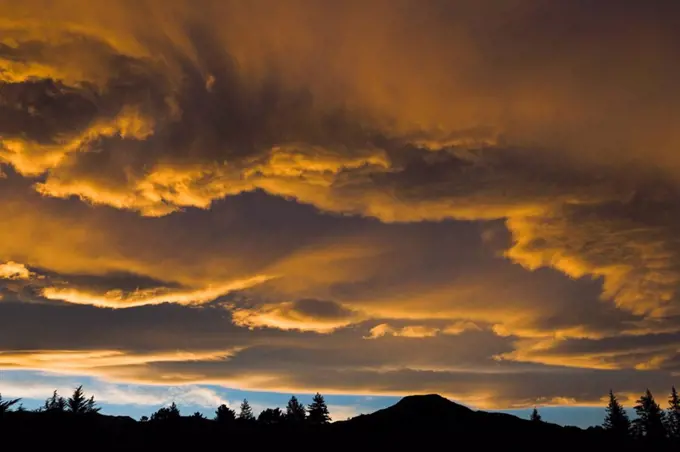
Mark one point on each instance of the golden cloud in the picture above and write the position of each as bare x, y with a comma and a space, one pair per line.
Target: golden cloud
14, 270
96, 362
117, 299
420, 331
439, 112
31, 158
303, 315
339, 158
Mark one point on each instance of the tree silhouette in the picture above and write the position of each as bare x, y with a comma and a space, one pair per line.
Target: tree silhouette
650, 417
79, 404
166, 413
271, 416
318, 411
277, 423
295, 411
673, 418
616, 420
224, 414
56, 403
246, 412
7, 404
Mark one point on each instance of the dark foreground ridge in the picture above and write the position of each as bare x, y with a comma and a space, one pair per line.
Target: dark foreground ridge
415, 421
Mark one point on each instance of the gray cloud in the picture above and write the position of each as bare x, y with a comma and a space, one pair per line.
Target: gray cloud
312, 179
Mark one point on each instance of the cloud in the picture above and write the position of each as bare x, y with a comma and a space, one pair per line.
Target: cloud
312, 180
304, 315
172, 144
74, 361
144, 341
41, 386
414, 331
420, 331
94, 291
118, 299
14, 270
343, 412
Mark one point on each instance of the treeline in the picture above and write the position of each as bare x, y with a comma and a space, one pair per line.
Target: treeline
315, 413
652, 421
652, 424
295, 413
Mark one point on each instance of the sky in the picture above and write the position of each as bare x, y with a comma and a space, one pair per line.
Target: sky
210, 200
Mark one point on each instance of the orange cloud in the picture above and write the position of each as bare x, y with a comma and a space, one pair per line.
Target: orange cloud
420, 331
117, 299
96, 362
333, 139
31, 158
440, 113
303, 315
14, 270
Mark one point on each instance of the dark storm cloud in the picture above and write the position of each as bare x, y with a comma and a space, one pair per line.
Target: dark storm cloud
275, 360
186, 124
165, 327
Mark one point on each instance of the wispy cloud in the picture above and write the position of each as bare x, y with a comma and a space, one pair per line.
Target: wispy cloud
41, 387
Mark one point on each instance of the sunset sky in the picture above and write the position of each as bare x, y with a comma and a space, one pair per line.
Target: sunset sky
206, 200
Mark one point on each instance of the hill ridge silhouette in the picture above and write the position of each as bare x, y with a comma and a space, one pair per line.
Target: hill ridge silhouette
435, 411
419, 420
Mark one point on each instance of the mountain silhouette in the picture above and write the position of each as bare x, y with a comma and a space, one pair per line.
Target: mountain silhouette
420, 421
432, 419
416, 410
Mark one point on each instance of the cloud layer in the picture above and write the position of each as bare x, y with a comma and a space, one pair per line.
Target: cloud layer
343, 193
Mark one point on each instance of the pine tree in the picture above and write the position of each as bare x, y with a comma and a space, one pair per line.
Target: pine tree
318, 411
166, 413
224, 414
673, 418
7, 404
270, 416
616, 420
79, 404
535, 417
246, 412
295, 411
174, 411
91, 406
651, 417
76, 403
56, 403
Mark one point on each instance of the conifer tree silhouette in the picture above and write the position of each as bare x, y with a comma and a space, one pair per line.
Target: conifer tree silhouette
616, 420
535, 417
224, 414
318, 411
79, 404
651, 417
55, 404
270, 416
166, 413
246, 412
295, 411
673, 417
7, 404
